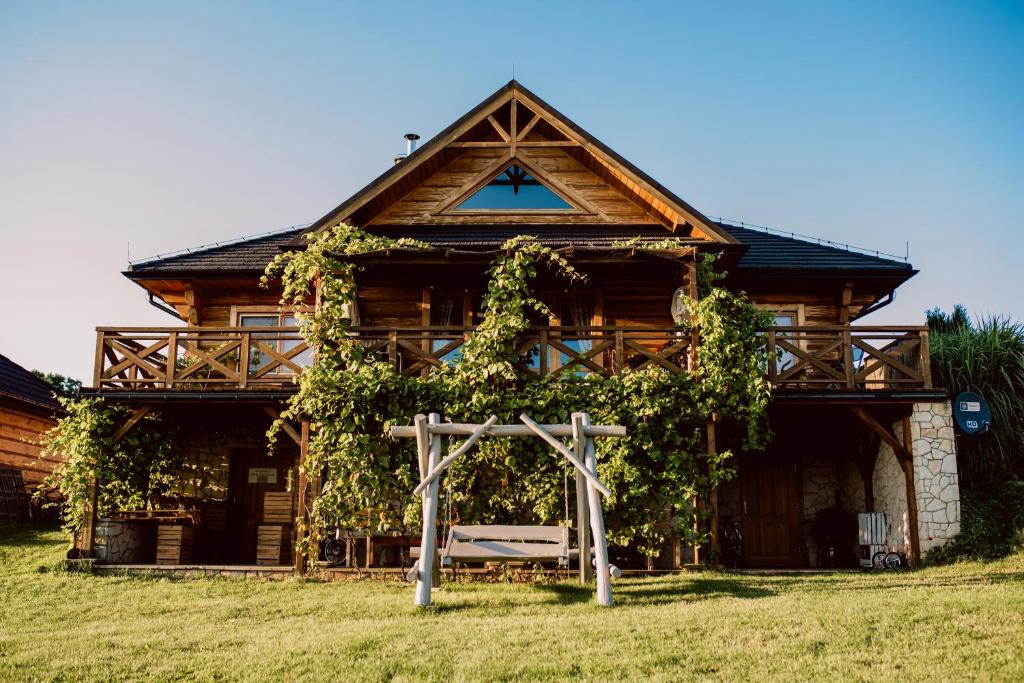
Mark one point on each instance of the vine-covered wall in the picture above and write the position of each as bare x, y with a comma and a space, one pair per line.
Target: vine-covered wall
351, 398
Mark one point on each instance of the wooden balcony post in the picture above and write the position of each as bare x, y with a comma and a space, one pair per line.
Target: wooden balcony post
393, 348
97, 377
848, 358
302, 523
543, 348
243, 360
773, 360
620, 350
172, 357
926, 360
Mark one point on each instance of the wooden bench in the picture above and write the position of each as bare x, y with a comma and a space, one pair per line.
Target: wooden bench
505, 543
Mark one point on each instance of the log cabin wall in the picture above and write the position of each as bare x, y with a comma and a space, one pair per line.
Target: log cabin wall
20, 433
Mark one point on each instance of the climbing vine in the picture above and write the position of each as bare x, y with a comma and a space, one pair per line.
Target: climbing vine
351, 397
130, 473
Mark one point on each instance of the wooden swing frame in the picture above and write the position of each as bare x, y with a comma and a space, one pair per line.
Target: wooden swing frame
428, 432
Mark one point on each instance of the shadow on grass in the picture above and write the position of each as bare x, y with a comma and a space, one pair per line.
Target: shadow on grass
29, 534
660, 592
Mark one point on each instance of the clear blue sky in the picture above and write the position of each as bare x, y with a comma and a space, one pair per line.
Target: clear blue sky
170, 125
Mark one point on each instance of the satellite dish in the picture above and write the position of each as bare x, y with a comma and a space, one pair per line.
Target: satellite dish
680, 307
971, 412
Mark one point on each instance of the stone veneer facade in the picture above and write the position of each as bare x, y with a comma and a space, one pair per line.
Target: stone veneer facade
936, 481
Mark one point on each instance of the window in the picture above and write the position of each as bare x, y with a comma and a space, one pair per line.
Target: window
514, 189
259, 358
446, 310
785, 359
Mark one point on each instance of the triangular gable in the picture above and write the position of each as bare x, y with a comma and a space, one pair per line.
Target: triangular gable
514, 126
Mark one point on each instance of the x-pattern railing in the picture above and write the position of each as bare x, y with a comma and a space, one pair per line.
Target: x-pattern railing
198, 358
848, 358
804, 358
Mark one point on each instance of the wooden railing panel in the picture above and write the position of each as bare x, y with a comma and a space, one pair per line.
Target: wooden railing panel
848, 358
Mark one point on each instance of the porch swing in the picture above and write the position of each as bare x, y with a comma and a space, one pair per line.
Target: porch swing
512, 543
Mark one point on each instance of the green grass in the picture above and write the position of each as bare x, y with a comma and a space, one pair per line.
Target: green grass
948, 623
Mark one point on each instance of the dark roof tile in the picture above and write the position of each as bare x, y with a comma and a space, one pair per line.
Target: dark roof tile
18, 383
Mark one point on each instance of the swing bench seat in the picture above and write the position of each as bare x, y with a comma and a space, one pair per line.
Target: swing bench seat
500, 543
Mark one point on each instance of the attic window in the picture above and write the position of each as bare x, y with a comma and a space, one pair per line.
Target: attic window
514, 189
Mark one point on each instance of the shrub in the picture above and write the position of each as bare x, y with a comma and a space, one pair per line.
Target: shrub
992, 525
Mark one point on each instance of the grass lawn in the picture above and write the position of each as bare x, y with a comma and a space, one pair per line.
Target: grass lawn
949, 623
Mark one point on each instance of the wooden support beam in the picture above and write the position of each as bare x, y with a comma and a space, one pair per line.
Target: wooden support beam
131, 422
867, 455
712, 450
302, 523
192, 304
887, 436
907, 465
285, 427
845, 298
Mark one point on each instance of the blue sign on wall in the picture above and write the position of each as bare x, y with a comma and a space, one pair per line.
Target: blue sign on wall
971, 413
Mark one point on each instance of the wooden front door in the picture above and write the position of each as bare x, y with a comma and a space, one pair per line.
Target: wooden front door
253, 473
771, 514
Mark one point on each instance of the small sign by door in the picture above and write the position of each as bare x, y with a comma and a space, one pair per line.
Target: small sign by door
262, 475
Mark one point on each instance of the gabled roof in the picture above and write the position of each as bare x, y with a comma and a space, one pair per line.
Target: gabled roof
20, 385
439, 150
761, 251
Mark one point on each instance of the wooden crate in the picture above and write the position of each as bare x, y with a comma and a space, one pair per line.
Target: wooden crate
174, 544
272, 543
13, 498
277, 508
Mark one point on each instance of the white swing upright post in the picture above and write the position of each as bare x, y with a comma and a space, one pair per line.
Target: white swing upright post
586, 571
431, 443
604, 583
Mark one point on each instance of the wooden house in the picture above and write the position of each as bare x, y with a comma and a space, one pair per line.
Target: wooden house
858, 422
27, 410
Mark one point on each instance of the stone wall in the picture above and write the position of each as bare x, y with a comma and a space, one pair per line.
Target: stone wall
123, 542
891, 495
936, 480
819, 487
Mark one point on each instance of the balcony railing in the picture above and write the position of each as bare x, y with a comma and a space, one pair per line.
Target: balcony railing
850, 358
251, 358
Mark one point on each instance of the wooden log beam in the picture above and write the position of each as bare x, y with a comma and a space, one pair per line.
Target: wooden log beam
907, 465
460, 429
287, 428
887, 436
302, 523
568, 455
131, 422
712, 450
444, 464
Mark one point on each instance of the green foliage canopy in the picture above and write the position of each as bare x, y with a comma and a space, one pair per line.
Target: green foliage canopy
351, 397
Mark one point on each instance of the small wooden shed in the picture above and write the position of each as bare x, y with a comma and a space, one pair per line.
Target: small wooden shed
27, 410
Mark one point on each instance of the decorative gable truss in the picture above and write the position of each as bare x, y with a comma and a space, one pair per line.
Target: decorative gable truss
515, 160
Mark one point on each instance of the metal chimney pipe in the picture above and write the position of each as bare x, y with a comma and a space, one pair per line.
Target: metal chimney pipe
410, 143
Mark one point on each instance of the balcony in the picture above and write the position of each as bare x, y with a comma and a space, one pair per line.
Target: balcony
807, 359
